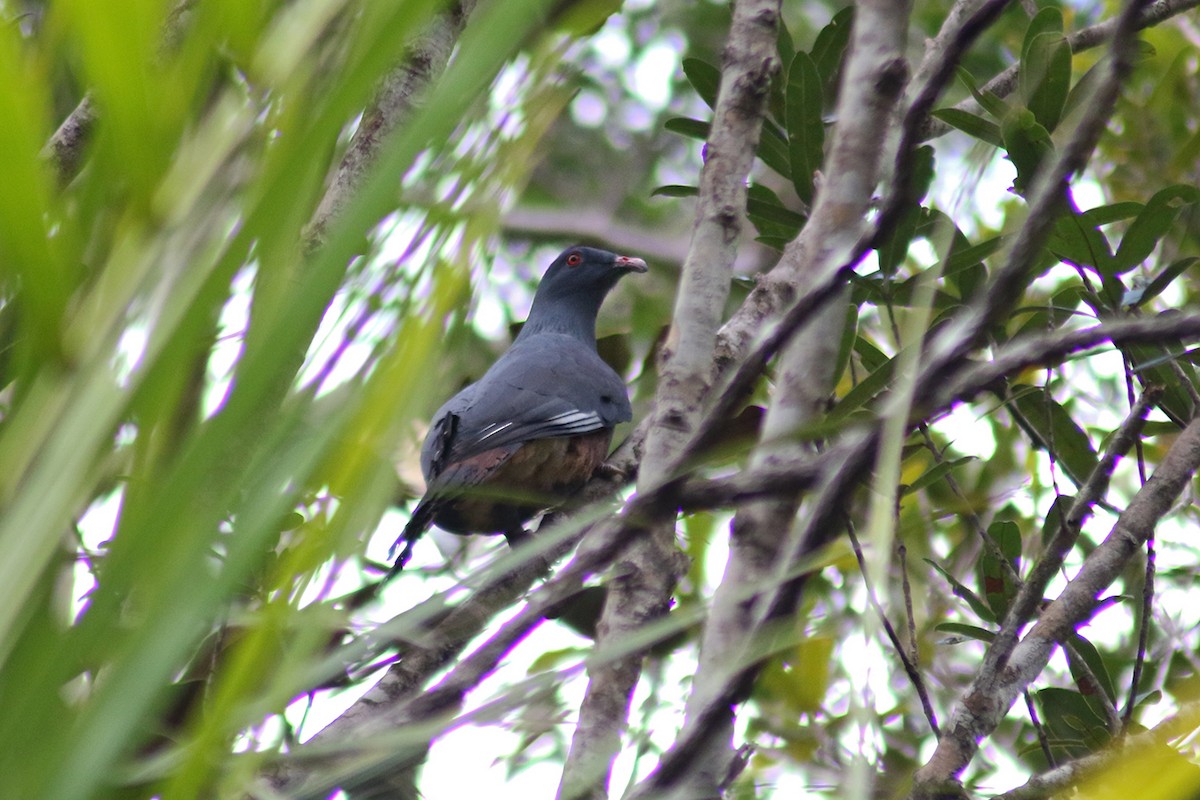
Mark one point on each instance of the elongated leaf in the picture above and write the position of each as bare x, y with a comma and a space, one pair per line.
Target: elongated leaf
830, 45
1113, 212
1095, 664
980, 608
1076, 724
765, 208
1027, 142
1079, 243
991, 103
675, 190
1055, 430
894, 248
691, 128
971, 124
872, 357
1054, 516
772, 149
936, 473
787, 49
1046, 78
704, 78
863, 392
1163, 279
1152, 224
846, 348
806, 132
996, 583
1048, 20
967, 631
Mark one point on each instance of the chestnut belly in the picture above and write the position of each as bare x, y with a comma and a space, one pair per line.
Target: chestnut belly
499, 490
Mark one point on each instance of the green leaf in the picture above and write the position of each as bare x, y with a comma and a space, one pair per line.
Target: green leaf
1047, 21
806, 131
965, 257
1148, 362
964, 269
691, 128
1113, 212
969, 631
996, 583
1053, 428
935, 474
584, 17
971, 124
675, 190
980, 608
787, 49
846, 348
1095, 663
830, 45
863, 392
773, 149
1152, 224
1061, 308
1163, 279
1076, 723
894, 248
990, 103
1050, 527
1046, 77
1077, 242
1027, 143
704, 78
872, 357
769, 215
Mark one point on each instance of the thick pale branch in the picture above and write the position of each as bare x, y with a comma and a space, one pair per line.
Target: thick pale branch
872, 79
647, 571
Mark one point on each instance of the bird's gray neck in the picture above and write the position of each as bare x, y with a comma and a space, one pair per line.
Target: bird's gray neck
572, 316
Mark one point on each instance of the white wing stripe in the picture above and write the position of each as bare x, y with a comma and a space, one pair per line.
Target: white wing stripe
574, 419
492, 430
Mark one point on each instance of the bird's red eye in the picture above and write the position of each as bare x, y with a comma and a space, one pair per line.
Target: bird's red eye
574, 260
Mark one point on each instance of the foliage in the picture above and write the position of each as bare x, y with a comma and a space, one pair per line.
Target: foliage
208, 385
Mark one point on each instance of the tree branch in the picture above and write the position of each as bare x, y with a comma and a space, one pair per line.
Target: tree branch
398, 95
648, 570
872, 80
997, 685
1003, 83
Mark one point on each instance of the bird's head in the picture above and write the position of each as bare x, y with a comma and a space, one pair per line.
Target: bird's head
575, 285
586, 269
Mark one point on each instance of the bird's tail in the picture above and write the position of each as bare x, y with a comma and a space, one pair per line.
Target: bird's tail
418, 523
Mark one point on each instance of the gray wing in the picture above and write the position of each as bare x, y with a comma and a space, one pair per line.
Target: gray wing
549, 385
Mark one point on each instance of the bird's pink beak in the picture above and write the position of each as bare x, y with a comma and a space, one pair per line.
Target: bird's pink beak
631, 264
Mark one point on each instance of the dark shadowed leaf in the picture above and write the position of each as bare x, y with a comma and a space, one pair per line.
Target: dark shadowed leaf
830, 45
806, 132
996, 582
1152, 224
704, 78
981, 609
971, 124
1053, 429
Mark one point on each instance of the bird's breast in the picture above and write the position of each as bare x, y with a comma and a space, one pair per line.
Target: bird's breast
498, 490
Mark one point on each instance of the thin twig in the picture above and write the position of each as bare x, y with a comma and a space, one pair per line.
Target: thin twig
906, 659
